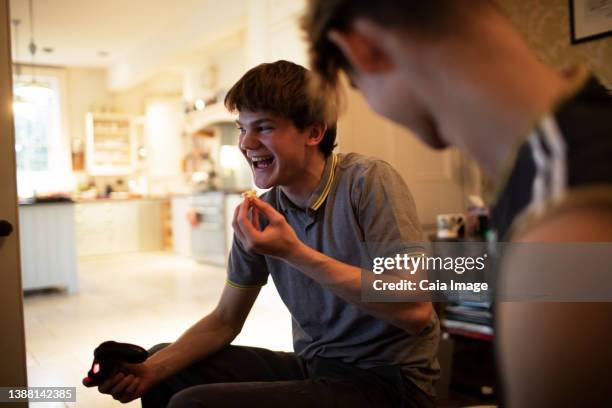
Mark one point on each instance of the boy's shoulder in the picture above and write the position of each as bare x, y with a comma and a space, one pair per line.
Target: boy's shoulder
358, 165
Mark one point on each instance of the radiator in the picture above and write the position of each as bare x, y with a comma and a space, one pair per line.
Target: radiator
48, 253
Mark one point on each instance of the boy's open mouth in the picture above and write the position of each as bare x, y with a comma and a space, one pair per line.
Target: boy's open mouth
262, 162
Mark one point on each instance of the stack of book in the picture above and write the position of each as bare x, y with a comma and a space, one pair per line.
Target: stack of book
470, 319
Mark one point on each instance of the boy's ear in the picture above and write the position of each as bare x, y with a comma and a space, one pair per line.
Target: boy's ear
361, 45
316, 133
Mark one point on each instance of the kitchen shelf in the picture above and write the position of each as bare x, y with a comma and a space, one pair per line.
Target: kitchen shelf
111, 148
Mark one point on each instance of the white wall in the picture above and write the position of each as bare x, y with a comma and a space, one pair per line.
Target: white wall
273, 32
164, 83
215, 68
204, 26
440, 181
163, 133
86, 92
232, 65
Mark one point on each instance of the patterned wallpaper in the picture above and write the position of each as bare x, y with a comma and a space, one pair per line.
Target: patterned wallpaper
545, 23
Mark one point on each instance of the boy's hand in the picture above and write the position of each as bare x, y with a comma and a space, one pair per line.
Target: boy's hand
277, 239
131, 382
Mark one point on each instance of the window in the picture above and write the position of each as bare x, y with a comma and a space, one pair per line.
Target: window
36, 115
40, 139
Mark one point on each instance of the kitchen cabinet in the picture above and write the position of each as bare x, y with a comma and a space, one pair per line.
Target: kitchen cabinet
231, 202
150, 229
181, 229
208, 236
47, 239
211, 240
113, 227
110, 145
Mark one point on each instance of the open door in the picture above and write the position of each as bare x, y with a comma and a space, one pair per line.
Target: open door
12, 338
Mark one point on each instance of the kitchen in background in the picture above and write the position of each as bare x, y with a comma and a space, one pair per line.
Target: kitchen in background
135, 132
124, 148
123, 142
129, 170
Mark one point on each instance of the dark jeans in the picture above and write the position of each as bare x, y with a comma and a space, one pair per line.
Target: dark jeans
239, 376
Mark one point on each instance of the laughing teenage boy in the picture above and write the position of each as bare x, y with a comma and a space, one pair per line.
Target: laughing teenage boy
458, 73
322, 207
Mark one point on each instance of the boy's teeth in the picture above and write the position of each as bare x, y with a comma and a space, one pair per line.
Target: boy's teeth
260, 158
262, 162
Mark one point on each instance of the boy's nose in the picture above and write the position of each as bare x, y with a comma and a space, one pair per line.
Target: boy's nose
249, 142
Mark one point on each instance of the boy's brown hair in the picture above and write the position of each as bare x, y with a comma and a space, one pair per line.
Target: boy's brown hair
425, 17
284, 88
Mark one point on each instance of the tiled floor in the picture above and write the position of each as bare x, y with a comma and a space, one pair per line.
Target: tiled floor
144, 298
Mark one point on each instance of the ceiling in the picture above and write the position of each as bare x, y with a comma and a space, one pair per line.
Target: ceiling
79, 30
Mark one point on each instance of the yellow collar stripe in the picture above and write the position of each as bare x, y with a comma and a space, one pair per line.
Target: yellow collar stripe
238, 286
328, 185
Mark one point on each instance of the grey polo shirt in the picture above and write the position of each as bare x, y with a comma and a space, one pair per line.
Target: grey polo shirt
358, 201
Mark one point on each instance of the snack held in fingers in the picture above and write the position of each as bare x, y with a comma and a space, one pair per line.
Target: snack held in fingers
250, 195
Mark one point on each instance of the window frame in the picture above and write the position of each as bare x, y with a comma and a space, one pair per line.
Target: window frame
58, 177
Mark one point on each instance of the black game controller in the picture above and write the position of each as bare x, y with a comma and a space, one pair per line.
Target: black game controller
108, 357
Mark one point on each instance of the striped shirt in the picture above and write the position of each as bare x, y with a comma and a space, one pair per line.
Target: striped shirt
565, 161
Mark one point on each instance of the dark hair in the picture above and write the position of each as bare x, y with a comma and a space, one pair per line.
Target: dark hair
418, 16
284, 88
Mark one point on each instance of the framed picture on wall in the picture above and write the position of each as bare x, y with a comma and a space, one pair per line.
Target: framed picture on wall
590, 19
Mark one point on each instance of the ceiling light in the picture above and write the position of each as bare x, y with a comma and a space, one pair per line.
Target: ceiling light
200, 104
31, 89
